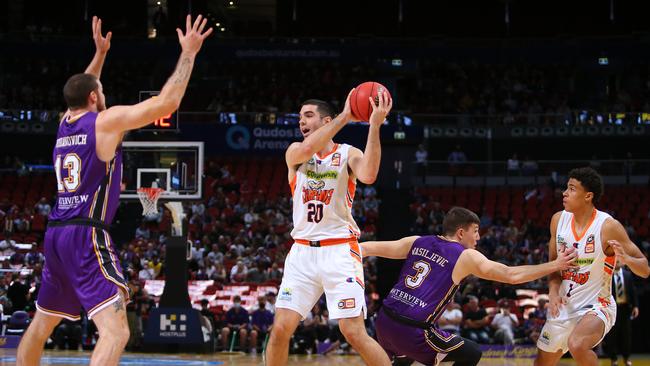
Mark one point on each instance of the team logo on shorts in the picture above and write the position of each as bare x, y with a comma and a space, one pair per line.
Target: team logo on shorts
349, 280
591, 246
336, 159
285, 294
545, 338
347, 304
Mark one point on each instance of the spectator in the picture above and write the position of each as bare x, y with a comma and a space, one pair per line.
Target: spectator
238, 272
7, 246
535, 322
456, 157
275, 273
68, 333
142, 232
421, 156
18, 293
262, 320
504, 324
236, 321
209, 315
451, 318
42, 207
513, 165
270, 301
476, 322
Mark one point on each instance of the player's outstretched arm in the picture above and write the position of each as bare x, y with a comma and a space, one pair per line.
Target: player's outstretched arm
614, 234
474, 262
123, 118
102, 45
300, 152
396, 249
365, 166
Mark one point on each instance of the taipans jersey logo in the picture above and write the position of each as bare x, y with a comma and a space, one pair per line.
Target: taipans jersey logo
316, 184
321, 195
579, 278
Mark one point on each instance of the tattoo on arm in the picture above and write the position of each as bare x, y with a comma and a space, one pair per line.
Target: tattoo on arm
183, 71
118, 305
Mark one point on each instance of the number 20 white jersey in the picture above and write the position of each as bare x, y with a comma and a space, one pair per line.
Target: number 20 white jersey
323, 192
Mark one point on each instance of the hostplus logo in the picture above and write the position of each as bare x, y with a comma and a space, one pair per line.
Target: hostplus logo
173, 325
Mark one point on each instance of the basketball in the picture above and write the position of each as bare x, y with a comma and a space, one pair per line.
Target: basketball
359, 103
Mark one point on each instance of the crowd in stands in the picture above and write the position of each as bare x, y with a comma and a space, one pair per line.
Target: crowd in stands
241, 237
508, 93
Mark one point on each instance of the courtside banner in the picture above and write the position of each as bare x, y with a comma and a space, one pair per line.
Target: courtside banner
173, 325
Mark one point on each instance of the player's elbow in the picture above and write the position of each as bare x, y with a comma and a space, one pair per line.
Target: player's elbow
367, 178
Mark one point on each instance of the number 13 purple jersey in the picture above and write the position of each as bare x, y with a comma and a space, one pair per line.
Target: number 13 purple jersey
425, 286
87, 187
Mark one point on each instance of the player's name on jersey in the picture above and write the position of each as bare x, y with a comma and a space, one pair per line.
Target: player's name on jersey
433, 257
73, 140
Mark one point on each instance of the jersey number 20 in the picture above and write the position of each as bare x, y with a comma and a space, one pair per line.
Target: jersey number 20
71, 162
422, 270
314, 212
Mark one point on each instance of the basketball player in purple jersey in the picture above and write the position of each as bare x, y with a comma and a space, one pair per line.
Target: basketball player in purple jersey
81, 268
432, 272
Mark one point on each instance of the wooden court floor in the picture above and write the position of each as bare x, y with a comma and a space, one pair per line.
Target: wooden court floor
65, 358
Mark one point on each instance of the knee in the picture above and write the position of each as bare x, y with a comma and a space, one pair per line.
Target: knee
578, 346
243, 332
116, 335
225, 331
353, 332
281, 331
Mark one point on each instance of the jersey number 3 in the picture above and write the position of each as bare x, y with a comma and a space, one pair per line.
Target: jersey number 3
71, 162
314, 212
422, 270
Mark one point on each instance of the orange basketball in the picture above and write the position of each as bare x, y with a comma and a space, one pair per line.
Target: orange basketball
359, 103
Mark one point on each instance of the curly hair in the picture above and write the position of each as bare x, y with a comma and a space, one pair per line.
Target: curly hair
591, 180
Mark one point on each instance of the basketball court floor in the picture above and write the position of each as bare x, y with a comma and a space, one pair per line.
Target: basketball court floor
63, 358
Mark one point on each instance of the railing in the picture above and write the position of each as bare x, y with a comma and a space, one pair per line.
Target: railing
539, 169
403, 117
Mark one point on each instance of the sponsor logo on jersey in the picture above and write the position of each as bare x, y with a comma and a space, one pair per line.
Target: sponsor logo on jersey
576, 245
330, 174
545, 338
349, 280
346, 304
584, 261
285, 294
336, 159
321, 195
579, 278
591, 244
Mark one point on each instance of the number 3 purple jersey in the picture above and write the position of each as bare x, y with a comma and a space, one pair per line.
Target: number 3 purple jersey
425, 286
87, 186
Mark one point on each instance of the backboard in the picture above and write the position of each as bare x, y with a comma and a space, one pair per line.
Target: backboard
175, 166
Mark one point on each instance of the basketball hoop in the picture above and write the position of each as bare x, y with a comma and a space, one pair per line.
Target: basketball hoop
149, 199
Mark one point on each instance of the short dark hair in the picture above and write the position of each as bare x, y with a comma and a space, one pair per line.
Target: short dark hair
458, 217
77, 89
591, 180
324, 108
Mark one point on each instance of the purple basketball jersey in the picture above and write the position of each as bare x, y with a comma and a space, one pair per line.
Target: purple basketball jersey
87, 186
425, 286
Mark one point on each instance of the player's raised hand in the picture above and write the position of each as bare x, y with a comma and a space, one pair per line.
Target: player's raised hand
380, 111
347, 110
194, 35
102, 44
566, 259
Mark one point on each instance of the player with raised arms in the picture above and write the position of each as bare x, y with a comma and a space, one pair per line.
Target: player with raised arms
81, 268
325, 255
582, 308
434, 268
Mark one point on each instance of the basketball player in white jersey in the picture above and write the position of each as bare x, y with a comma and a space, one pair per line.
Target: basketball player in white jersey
325, 255
581, 308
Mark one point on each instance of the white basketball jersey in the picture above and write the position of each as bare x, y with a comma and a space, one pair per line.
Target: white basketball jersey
590, 286
323, 192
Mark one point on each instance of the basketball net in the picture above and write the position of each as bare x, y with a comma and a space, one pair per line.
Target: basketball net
149, 199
